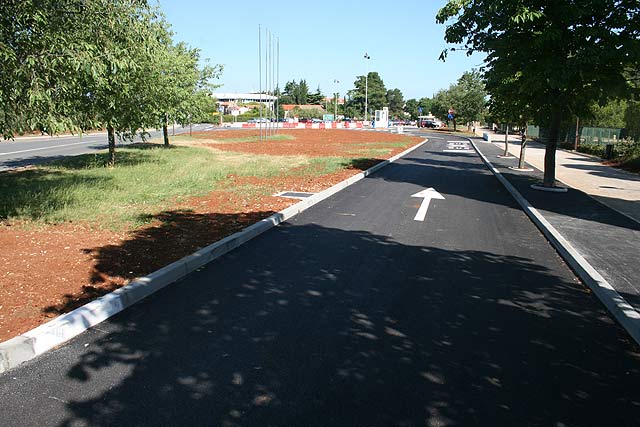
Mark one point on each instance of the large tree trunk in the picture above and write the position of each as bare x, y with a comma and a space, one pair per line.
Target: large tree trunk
523, 146
550, 152
111, 137
165, 130
506, 141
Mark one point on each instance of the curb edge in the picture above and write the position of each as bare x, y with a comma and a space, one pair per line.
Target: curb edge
624, 313
47, 336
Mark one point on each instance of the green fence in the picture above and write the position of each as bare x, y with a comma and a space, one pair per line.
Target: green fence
599, 135
588, 135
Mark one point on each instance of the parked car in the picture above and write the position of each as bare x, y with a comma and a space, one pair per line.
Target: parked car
258, 120
427, 123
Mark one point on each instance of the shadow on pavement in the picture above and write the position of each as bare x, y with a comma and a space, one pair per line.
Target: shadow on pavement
338, 333
172, 235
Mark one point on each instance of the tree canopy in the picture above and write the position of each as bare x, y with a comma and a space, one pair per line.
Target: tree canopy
295, 93
552, 58
370, 89
395, 101
70, 65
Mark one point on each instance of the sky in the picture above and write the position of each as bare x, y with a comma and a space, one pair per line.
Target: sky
322, 42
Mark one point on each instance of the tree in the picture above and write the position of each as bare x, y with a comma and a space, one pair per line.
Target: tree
315, 98
371, 89
470, 97
296, 93
426, 104
632, 120
182, 91
609, 115
395, 101
557, 57
42, 52
127, 41
411, 108
94, 63
441, 103
301, 93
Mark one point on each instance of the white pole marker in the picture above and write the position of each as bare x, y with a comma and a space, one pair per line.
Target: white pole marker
426, 195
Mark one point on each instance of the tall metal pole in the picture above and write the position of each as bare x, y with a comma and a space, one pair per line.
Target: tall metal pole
278, 83
273, 85
260, 75
335, 101
366, 87
268, 81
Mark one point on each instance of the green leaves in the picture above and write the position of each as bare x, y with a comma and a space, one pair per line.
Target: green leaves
526, 14
71, 64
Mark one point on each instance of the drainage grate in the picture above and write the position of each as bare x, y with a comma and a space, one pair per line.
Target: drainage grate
295, 195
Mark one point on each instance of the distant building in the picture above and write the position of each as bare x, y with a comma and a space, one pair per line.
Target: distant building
231, 101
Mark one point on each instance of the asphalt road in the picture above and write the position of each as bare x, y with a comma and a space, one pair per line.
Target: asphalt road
26, 151
354, 313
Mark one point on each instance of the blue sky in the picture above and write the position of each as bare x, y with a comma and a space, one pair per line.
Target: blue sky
322, 42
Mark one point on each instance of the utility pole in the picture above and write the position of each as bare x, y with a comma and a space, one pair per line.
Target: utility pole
366, 86
335, 100
260, 74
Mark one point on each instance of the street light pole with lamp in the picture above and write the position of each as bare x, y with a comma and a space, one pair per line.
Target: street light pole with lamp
335, 101
366, 87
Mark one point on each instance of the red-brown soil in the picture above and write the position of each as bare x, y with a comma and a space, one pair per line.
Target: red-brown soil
50, 270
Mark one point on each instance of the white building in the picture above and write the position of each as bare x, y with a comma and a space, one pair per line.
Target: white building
230, 100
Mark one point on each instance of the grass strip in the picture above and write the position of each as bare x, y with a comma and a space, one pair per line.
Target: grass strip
146, 179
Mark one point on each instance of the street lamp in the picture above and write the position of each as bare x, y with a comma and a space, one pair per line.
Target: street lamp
366, 86
335, 100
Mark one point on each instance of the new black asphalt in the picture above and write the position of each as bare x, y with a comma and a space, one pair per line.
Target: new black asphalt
355, 314
607, 239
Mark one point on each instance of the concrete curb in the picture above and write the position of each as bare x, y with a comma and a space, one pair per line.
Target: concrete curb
67, 326
626, 315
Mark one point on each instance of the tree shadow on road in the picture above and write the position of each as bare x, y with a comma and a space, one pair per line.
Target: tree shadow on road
314, 326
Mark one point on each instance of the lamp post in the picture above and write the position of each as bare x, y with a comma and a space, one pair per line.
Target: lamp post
335, 101
366, 87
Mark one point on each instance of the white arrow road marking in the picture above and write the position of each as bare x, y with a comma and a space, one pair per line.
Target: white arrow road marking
457, 146
426, 195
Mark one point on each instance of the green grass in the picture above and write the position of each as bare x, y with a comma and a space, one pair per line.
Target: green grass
148, 179
145, 181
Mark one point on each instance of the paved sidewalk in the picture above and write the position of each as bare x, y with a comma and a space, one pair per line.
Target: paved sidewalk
599, 216
615, 188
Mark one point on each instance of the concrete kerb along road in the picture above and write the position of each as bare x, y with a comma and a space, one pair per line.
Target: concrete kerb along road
624, 312
45, 337
582, 172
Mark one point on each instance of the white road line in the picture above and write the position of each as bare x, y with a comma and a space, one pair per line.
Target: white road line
46, 148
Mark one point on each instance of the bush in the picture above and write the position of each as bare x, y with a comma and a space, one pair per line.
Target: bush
593, 149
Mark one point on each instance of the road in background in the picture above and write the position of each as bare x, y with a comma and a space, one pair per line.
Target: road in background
26, 151
361, 311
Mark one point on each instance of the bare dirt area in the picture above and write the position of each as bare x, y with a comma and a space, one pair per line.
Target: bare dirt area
49, 270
